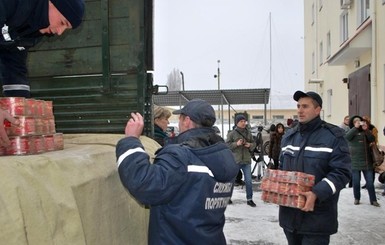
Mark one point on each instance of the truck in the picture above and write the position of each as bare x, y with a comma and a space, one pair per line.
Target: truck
97, 74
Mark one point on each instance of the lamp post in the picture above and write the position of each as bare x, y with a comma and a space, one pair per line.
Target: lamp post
181, 73
218, 76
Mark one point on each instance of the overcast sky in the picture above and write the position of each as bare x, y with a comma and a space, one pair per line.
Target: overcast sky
192, 35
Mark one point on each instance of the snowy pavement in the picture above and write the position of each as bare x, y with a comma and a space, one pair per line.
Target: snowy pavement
358, 224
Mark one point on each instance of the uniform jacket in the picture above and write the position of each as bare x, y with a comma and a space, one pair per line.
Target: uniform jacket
188, 186
320, 149
359, 141
20, 21
241, 153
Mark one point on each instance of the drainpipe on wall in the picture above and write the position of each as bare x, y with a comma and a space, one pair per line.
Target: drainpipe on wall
373, 72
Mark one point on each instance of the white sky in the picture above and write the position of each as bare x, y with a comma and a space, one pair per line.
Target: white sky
191, 35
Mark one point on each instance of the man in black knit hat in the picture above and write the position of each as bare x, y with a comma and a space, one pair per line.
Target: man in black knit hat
241, 143
23, 23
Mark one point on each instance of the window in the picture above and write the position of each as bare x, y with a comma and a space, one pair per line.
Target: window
344, 27
328, 45
257, 117
329, 102
278, 117
363, 11
321, 59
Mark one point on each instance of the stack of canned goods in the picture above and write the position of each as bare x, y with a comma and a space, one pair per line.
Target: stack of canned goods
36, 132
284, 187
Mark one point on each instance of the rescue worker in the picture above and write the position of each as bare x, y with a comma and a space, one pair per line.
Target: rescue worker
189, 184
23, 23
320, 149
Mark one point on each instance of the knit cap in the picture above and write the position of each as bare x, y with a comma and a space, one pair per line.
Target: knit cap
72, 10
239, 117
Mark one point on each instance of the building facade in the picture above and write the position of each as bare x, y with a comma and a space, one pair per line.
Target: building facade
345, 58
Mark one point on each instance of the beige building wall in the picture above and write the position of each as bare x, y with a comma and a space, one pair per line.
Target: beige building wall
329, 58
256, 116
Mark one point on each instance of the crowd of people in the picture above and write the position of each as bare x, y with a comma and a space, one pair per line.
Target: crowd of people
198, 164
188, 162
186, 167
334, 154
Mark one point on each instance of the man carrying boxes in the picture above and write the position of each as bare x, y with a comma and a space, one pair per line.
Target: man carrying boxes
316, 148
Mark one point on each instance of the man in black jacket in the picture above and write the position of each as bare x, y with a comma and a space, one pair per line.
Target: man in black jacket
23, 23
320, 149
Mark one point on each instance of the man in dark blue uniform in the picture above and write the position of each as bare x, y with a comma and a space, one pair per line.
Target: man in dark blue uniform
320, 149
23, 23
190, 183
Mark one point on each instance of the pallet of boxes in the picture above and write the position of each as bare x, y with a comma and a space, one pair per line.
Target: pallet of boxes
36, 132
284, 187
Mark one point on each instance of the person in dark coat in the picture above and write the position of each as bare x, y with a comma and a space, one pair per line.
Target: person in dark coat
359, 137
161, 116
320, 149
23, 23
275, 144
190, 182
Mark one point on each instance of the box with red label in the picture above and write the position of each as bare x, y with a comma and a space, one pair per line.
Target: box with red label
27, 126
14, 105
49, 142
20, 145
284, 187
35, 132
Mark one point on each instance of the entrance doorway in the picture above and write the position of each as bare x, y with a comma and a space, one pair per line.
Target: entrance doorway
359, 92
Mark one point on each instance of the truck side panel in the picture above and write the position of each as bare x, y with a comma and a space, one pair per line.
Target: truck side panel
97, 74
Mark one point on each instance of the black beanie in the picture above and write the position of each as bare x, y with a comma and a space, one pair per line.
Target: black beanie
72, 10
238, 118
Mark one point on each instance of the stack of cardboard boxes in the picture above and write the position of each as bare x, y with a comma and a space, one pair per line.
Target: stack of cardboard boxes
36, 132
284, 187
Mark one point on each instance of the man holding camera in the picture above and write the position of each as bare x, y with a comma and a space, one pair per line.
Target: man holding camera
240, 142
